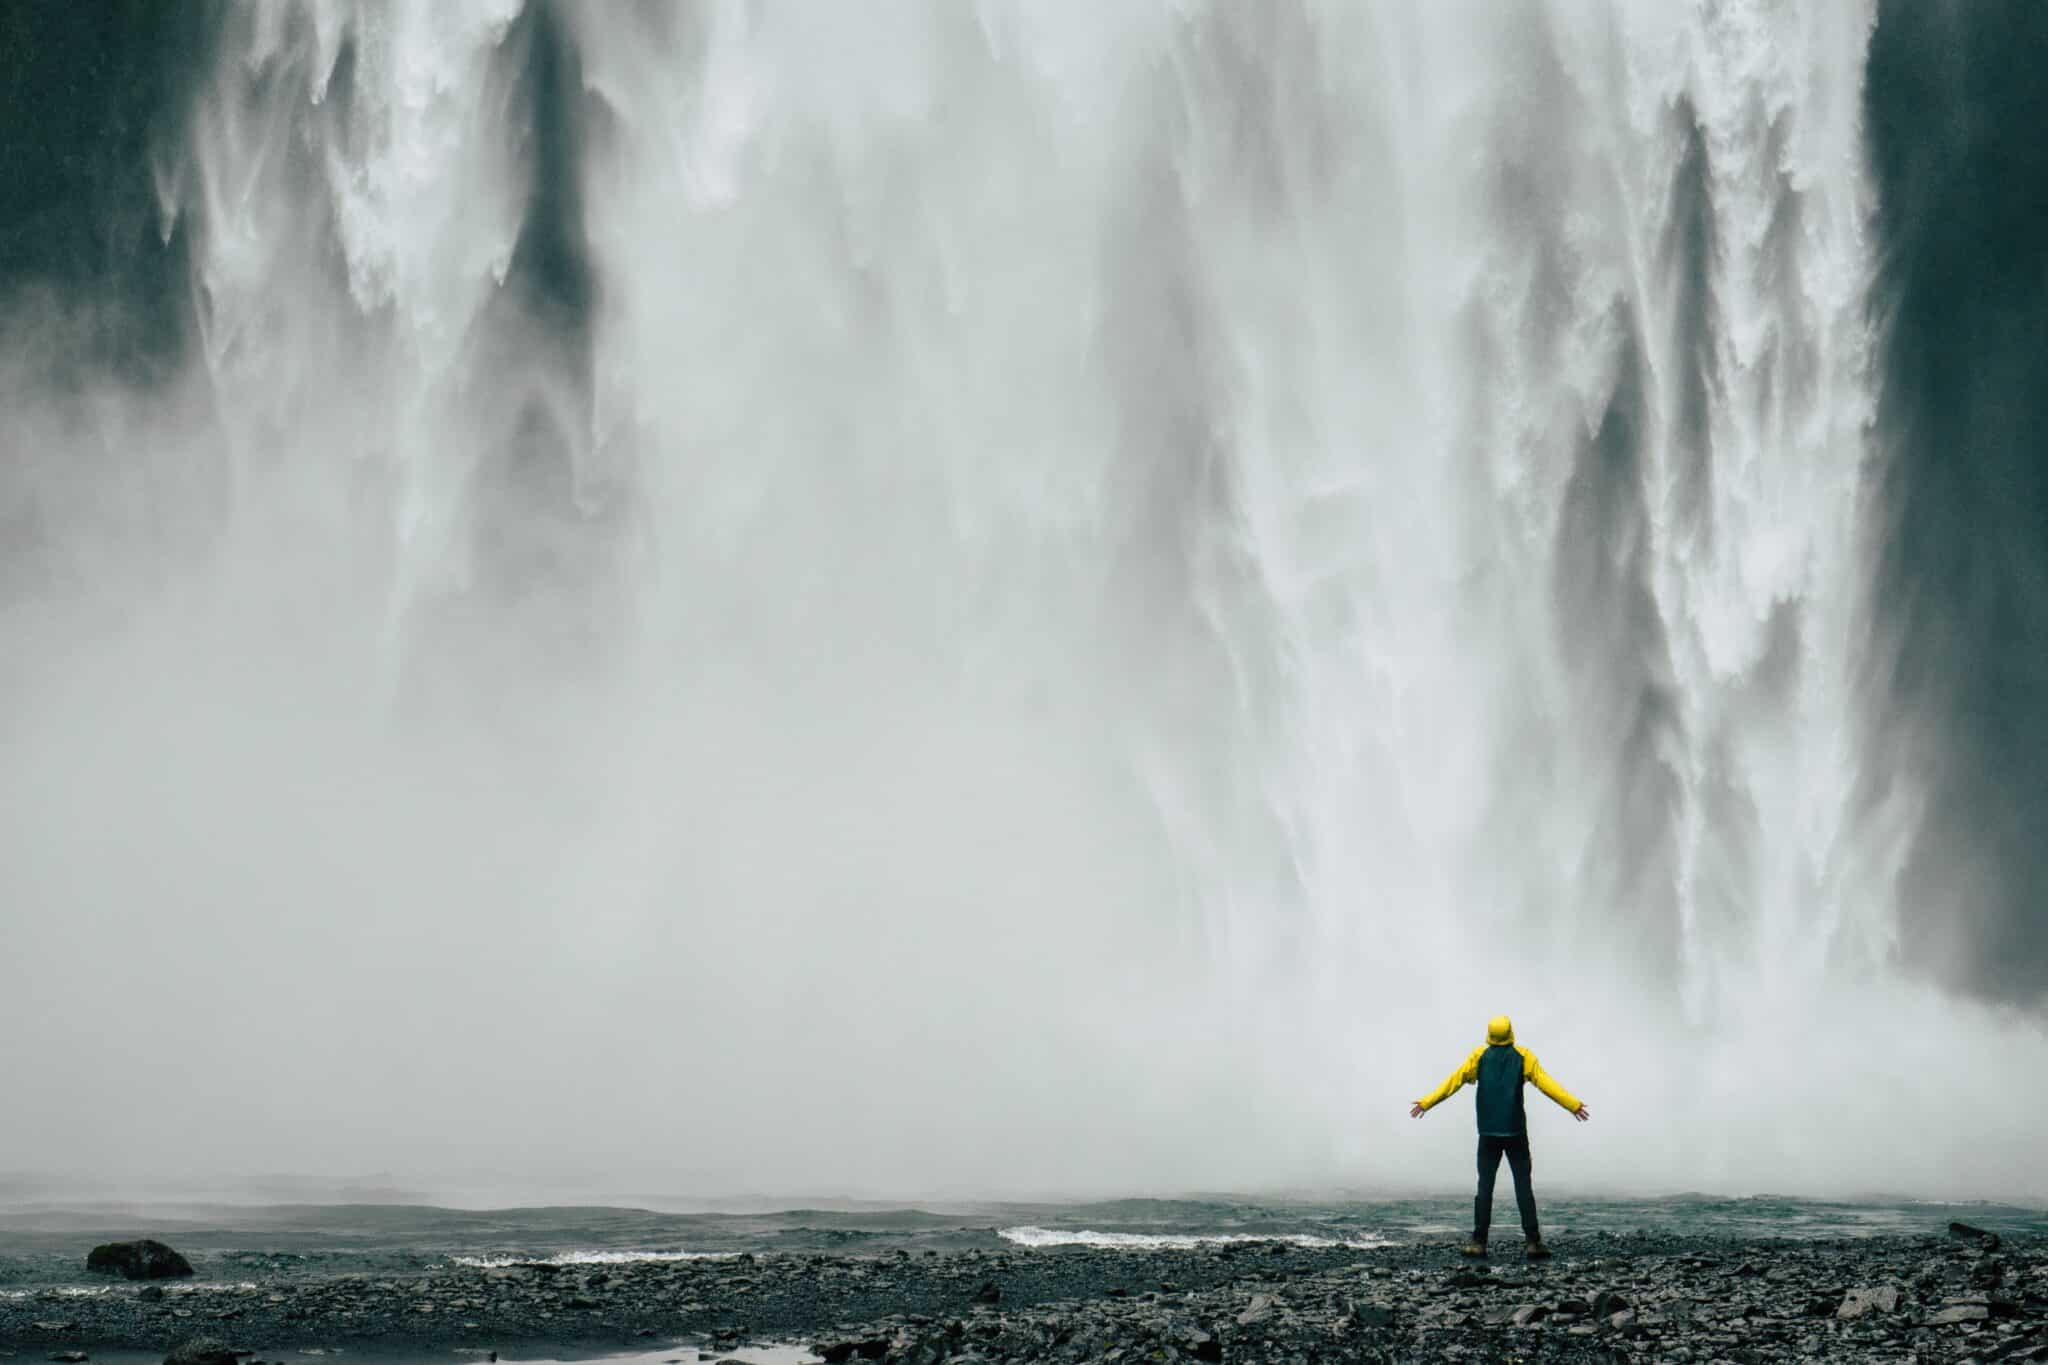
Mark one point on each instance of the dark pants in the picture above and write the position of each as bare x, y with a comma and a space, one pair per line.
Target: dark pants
1516, 1150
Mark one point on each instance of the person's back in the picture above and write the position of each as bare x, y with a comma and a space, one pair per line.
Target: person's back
1498, 1103
1499, 1069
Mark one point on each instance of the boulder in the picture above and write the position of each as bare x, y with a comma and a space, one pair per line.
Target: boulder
138, 1260
1963, 1232
202, 1351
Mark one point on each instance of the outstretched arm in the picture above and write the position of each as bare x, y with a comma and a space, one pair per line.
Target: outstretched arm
1532, 1070
1466, 1072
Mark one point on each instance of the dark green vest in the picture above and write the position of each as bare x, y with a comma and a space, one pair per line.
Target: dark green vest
1500, 1092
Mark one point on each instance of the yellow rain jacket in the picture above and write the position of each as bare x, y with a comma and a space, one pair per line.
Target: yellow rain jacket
1500, 1033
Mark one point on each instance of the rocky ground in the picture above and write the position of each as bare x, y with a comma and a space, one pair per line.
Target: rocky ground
1604, 1297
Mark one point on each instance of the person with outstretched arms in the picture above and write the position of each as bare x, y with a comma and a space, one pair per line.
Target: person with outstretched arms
1499, 1069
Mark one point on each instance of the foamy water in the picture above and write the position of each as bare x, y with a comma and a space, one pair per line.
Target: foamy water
592, 1258
1154, 1241
93, 1291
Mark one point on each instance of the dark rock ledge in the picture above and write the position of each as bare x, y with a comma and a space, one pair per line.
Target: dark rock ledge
140, 1260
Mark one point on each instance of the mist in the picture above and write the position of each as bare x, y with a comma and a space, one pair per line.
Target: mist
962, 601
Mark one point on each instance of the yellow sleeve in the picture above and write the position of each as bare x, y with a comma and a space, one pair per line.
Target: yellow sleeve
1532, 1071
1467, 1071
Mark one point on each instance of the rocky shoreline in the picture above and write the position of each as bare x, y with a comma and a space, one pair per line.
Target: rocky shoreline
1603, 1297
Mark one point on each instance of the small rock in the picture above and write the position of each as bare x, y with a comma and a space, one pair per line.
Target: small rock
69, 1355
1883, 1298
1528, 1315
1962, 1312
1607, 1303
145, 1259
1257, 1311
150, 1292
1963, 1232
201, 1351
990, 1292
1372, 1315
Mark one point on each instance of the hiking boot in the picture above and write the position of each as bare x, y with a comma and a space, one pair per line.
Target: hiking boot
1472, 1249
1538, 1251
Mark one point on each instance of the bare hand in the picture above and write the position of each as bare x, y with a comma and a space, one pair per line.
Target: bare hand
1582, 1113
1416, 1112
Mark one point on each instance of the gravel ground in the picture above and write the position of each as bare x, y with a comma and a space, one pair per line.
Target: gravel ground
1603, 1297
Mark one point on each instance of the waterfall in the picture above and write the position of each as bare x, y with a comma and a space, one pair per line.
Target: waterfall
993, 596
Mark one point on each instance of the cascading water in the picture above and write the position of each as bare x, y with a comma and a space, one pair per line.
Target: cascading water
987, 597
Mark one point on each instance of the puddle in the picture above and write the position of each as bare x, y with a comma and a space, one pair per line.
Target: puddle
680, 1355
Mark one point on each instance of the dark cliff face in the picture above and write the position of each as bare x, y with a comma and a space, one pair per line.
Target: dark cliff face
91, 101
1955, 107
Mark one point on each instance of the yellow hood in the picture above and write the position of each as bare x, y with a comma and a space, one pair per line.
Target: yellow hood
1500, 1030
